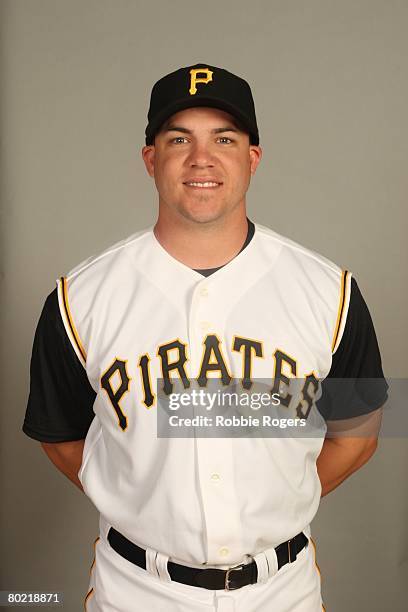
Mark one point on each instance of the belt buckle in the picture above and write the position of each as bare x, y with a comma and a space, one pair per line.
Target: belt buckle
289, 554
227, 577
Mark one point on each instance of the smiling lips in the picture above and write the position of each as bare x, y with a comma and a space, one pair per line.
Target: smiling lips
202, 183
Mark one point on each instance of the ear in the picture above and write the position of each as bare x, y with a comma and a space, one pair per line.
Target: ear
148, 158
255, 156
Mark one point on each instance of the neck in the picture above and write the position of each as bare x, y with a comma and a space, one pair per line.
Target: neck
203, 245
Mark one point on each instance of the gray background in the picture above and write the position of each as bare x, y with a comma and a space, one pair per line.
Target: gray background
330, 85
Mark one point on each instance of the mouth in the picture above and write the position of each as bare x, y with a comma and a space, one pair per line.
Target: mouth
209, 184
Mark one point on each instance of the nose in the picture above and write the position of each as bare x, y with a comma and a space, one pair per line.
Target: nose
200, 156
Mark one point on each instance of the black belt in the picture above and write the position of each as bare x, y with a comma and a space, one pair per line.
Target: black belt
210, 578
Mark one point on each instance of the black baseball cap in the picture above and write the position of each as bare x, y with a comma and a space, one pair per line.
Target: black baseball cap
201, 85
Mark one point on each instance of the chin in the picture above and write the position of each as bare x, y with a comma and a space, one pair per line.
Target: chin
203, 212
201, 216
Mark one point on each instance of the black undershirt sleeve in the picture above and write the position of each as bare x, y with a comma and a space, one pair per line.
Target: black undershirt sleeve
60, 403
355, 384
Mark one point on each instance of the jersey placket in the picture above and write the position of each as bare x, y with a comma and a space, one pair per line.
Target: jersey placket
214, 456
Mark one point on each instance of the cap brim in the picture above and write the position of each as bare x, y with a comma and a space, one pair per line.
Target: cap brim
184, 103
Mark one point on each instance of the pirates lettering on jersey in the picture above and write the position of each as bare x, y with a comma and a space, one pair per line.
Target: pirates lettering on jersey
213, 361
250, 347
115, 395
308, 397
278, 376
149, 396
173, 360
168, 366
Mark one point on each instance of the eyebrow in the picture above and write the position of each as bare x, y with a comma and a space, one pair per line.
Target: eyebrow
183, 130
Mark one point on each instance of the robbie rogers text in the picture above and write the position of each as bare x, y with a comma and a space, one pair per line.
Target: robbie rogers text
235, 421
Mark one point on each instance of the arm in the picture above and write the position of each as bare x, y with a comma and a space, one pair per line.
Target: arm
340, 458
352, 444
352, 392
67, 457
60, 405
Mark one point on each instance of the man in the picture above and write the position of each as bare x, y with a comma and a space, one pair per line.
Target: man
200, 523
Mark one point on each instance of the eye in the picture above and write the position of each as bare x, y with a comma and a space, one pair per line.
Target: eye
179, 140
224, 140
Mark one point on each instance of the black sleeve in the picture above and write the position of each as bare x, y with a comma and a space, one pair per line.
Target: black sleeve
60, 403
355, 384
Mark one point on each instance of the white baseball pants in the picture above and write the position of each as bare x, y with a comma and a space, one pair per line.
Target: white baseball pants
117, 585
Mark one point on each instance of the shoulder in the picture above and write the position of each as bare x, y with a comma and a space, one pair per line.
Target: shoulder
95, 284
314, 281
104, 272
113, 255
298, 253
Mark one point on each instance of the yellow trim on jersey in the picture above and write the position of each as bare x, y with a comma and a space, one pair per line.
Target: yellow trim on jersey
314, 550
94, 558
317, 567
340, 311
70, 318
88, 596
91, 590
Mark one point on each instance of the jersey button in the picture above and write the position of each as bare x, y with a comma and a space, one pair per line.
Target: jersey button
203, 291
224, 551
205, 325
215, 477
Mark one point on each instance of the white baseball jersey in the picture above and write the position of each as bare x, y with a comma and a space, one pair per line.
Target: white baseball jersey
124, 328
131, 313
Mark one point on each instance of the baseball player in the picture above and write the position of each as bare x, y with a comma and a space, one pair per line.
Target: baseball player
200, 523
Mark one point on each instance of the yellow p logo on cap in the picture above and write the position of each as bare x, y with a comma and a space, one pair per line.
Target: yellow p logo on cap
194, 78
